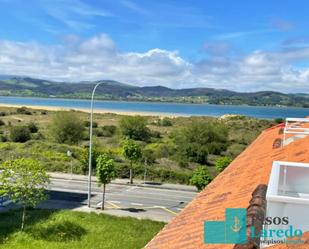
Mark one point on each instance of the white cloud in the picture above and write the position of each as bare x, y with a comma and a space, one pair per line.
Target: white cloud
98, 58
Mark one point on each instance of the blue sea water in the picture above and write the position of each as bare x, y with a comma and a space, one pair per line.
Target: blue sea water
164, 108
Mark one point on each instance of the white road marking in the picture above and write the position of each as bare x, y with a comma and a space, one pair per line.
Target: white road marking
136, 204
115, 202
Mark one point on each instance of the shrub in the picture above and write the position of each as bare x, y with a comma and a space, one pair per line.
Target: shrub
195, 141
67, 128
33, 127
279, 120
108, 130
87, 124
20, 134
23, 110
222, 163
166, 122
135, 127
3, 138
1, 122
200, 178
2, 114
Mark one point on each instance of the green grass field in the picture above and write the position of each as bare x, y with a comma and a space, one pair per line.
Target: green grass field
48, 229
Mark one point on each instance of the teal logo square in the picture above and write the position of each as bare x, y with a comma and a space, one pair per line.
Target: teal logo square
230, 231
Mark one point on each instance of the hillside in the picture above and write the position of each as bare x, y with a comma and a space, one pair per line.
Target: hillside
113, 90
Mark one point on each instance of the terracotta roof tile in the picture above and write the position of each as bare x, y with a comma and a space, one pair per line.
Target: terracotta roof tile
230, 189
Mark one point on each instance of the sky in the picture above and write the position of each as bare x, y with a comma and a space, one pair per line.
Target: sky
239, 45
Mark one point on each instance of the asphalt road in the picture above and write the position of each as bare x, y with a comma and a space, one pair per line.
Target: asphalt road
123, 200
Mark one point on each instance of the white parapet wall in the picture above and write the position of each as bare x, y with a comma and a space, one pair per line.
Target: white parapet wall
288, 196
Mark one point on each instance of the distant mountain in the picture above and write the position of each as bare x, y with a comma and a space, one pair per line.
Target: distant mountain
113, 90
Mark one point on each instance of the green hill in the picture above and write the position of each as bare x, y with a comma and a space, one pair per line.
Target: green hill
113, 90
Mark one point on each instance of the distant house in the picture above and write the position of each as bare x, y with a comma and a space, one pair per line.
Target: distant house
270, 178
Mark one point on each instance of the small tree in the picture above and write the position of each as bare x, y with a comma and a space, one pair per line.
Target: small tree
66, 127
135, 127
132, 152
20, 134
105, 173
23, 181
222, 163
200, 178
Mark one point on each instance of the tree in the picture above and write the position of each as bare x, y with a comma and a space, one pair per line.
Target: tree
33, 128
132, 152
20, 134
222, 163
66, 127
105, 173
199, 139
135, 127
23, 181
200, 178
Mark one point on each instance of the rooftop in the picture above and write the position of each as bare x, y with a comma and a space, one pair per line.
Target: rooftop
232, 188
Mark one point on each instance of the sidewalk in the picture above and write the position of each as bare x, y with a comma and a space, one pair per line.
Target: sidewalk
139, 183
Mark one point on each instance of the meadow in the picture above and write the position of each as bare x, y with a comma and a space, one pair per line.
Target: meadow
166, 160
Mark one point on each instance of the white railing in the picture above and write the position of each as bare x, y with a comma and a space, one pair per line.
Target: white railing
288, 196
296, 127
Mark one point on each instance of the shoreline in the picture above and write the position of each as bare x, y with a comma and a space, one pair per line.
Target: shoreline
96, 111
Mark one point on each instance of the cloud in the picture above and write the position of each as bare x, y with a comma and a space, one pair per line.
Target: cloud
98, 57
216, 47
134, 7
283, 25
240, 34
75, 14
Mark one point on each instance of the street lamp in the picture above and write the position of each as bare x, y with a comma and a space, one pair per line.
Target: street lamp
70, 154
90, 144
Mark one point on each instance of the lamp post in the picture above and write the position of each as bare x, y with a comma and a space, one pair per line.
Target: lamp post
90, 145
70, 154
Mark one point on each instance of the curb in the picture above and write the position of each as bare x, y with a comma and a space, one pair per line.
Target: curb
134, 184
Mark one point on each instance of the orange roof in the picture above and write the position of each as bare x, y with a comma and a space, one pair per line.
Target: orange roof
230, 189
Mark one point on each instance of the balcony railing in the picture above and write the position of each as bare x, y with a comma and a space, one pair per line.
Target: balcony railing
295, 128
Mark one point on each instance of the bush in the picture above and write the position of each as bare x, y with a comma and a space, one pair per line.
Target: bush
87, 124
1, 122
279, 120
2, 114
20, 134
166, 122
33, 127
108, 130
135, 127
67, 128
222, 163
3, 138
23, 110
200, 178
195, 141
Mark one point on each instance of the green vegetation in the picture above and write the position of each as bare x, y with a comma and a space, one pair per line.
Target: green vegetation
222, 163
132, 152
112, 90
20, 134
135, 127
66, 127
105, 173
170, 153
200, 178
23, 181
48, 229
199, 139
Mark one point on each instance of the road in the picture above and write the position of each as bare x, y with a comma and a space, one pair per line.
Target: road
123, 200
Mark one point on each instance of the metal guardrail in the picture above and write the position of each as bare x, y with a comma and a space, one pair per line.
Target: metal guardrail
295, 126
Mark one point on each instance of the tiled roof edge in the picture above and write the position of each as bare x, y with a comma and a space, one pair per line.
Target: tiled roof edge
255, 217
